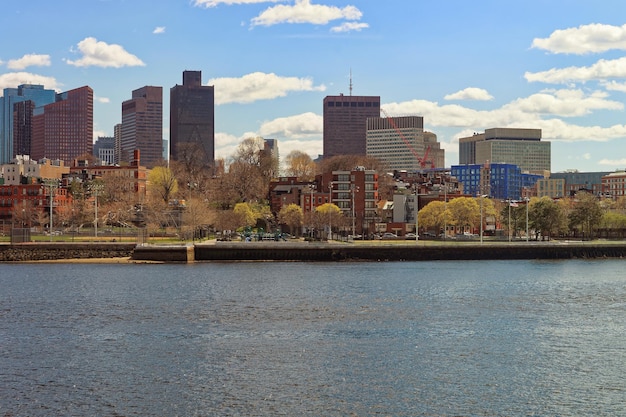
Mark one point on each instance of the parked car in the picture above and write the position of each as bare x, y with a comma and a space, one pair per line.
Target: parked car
389, 236
410, 236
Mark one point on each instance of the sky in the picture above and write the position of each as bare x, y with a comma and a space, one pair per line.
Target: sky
557, 65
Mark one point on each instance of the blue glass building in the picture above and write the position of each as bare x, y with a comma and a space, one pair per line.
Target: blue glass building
498, 181
11, 96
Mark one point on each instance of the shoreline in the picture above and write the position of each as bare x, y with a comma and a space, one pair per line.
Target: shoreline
306, 252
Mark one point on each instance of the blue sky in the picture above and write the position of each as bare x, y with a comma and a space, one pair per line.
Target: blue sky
558, 65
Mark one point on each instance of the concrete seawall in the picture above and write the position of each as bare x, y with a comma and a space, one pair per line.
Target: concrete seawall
328, 253
287, 251
27, 252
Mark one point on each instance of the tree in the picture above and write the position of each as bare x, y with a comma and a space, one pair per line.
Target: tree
546, 217
292, 216
244, 214
299, 164
464, 212
517, 216
586, 213
163, 183
434, 214
328, 214
191, 168
195, 215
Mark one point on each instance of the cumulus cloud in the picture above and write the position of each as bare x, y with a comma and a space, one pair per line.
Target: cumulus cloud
564, 103
305, 12
103, 100
295, 127
101, 54
13, 79
214, 3
602, 70
584, 39
259, 86
302, 132
615, 86
542, 111
158, 30
470, 93
613, 162
29, 60
349, 27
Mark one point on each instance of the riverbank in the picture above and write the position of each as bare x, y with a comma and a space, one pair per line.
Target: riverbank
306, 252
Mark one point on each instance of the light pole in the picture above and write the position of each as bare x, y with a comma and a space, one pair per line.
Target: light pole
51, 183
481, 217
330, 202
527, 204
311, 188
417, 209
355, 189
95, 188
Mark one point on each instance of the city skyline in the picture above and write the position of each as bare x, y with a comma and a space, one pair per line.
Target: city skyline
464, 67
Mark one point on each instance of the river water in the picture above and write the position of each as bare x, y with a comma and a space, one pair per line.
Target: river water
501, 338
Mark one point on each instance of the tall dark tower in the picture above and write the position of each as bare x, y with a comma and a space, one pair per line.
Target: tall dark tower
142, 126
345, 123
192, 120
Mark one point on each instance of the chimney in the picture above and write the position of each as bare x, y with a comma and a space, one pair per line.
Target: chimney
136, 157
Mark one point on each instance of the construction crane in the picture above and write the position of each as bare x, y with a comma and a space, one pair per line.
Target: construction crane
422, 160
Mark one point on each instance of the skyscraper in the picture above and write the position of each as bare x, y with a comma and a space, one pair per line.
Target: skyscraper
64, 129
142, 125
345, 120
521, 147
37, 96
192, 120
402, 144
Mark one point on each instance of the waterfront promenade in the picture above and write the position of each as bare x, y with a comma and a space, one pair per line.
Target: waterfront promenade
297, 250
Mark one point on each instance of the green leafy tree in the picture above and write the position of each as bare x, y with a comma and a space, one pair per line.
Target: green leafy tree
586, 213
547, 217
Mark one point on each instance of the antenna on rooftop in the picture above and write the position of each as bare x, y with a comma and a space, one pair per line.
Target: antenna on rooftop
350, 81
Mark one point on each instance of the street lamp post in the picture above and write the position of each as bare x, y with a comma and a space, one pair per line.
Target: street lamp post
481, 217
96, 188
51, 183
330, 201
527, 204
355, 189
417, 209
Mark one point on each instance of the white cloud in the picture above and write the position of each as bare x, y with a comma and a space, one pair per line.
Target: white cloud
541, 111
294, 127
158, 30
601, 70
584, 39
613, 162
305, 12
29, 60
214, 3
587, 156
615, 86
101, 54
258, 86
349, 27
104, 100
470, 93
564, 103
13, 79
302, 132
